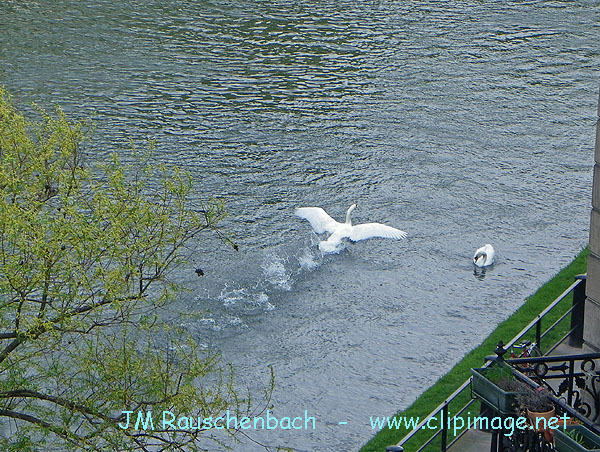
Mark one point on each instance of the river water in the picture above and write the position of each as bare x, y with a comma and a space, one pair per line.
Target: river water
461, 123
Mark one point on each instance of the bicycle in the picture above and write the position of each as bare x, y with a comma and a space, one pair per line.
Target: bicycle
529, 350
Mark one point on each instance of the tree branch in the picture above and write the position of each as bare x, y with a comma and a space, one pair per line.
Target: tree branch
26, 393
37, 331
65, 434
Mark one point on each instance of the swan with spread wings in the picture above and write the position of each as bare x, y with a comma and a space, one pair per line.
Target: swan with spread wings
321, 222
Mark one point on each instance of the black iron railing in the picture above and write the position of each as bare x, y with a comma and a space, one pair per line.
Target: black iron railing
575, 335
573, 384
573, 381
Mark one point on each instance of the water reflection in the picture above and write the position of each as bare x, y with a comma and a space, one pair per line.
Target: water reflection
410, 106
479, 272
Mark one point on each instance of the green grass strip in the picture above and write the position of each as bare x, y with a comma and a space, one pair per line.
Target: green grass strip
447, 384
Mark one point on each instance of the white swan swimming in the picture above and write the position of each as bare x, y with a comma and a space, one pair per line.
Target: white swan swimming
321, 222
484, 256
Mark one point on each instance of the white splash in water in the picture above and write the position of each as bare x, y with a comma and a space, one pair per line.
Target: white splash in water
262, 299
237, 322
232, 297
307, 260
276, 273
209, 323
243, 297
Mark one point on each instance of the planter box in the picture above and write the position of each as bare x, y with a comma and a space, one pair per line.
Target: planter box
491, 394
564, 443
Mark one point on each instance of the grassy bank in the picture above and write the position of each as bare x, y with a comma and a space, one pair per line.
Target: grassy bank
435, 395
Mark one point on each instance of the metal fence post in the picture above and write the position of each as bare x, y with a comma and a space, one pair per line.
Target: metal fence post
500, 351
571, 381
578, 313
445, 427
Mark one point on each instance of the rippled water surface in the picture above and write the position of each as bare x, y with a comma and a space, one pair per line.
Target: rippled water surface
461, 123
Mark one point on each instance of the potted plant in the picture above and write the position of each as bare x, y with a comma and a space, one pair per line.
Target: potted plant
497, 387
540, 408
576, 438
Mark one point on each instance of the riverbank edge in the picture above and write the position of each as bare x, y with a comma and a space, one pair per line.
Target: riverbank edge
507, 329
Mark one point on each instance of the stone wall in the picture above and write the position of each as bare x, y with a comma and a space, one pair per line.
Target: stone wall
591, 331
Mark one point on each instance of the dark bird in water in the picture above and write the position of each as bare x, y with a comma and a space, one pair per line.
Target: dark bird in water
199, 272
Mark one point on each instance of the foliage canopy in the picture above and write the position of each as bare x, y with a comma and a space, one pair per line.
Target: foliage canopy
85, 258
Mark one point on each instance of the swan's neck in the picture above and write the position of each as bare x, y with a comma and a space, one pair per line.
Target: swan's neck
348, 220
481, 256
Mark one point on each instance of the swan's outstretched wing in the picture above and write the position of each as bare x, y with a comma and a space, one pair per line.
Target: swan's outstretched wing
318, 219
372, 230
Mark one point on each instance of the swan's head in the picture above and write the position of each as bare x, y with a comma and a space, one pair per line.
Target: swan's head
479, 256
352, 207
